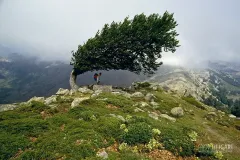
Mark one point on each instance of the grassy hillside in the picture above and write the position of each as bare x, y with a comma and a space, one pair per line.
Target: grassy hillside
119, 127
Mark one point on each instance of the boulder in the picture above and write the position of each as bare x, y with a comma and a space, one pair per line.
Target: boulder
212, 114
50, 100
85, 90
153, 115
118, 117
150, 97
77, 101
125, 94
231, 116
6, 107
38, 99
103, 88
155, 105
102, 154
62, 91
177, 112
138, 110
137, 95
143, 104
168, 117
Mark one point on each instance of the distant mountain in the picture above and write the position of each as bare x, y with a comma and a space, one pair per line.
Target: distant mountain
217, 85
22, 77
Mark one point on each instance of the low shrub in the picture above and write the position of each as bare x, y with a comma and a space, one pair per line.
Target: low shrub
177, 142
193, 101
137, 133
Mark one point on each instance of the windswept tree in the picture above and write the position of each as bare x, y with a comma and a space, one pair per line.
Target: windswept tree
134, 45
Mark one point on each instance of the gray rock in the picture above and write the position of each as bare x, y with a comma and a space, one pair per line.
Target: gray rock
231, 116
150, 97
38, 99
212, 114
138, 110
137, 95
177, 111
85, 90
125, 94
155, 105
143, 104
50, 100
103, 88
153, 115
62, 91
6, 107
77, 101
168, 117
102, 154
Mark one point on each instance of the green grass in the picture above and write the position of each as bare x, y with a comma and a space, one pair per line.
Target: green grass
79, 133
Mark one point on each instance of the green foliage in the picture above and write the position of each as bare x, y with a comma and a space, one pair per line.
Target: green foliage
34, 106
109, 126
133, 45
82, 113
10, 144
137, 133
119, 101
193, 101
206, 150
25, 126
177, 142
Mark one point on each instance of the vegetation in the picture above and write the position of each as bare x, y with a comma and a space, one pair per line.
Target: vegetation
36, 131
134, 45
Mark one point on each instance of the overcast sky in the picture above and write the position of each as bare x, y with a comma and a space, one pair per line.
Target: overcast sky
50, 29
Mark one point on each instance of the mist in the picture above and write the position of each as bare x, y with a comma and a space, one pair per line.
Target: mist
51, 29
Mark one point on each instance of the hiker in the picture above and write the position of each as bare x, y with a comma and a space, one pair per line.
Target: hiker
97, 77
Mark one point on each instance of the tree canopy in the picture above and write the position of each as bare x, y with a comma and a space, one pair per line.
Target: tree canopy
135, 45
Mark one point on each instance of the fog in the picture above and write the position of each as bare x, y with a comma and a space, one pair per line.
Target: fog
51, 29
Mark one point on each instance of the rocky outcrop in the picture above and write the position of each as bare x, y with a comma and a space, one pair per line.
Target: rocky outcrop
177, 112
38, 99
165, 116
103, 88
77, 101
6, 107
150, 97
62, 91
85, 90
137, 95
50, 100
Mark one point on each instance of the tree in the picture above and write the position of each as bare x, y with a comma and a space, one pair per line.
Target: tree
134, 45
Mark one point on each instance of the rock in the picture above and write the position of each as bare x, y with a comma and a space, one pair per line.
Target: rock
118, 117
150, 97
96, 93
38, 99
138, 110
153, 115
232, 116
77, 101
143, 104
85, 90
103, 88
137, 95
155, 105
50, 100
6, 107
125, 94
62, 91
102, 154
212, 114
168, 117
72, 92
177, 112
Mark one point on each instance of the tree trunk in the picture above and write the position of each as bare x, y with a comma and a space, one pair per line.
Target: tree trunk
72, 81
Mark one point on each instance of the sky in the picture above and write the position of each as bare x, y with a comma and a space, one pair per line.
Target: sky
51, 29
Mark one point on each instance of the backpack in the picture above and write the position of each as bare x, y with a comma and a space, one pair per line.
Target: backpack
95, 76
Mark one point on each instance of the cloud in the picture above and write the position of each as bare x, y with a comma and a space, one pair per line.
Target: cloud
209, 30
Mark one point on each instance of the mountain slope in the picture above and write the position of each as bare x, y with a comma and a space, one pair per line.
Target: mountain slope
117, 125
